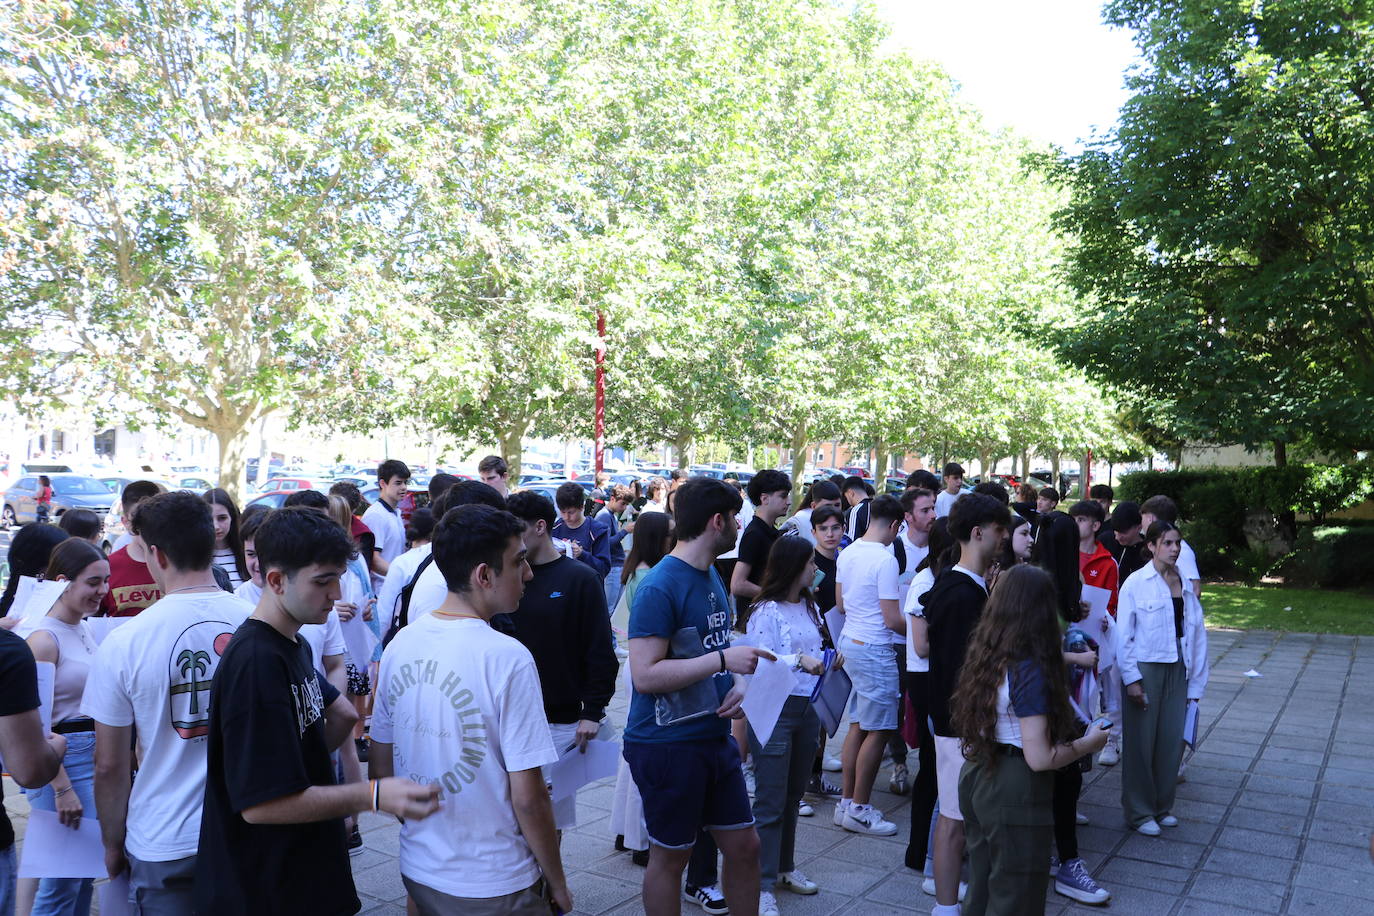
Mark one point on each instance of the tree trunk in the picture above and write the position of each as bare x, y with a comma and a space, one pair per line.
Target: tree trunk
264, 451
881, 458
680, 445
233, 457
798, 463
1280, 454
1054, 469
509, 441
983, 455
1025, 464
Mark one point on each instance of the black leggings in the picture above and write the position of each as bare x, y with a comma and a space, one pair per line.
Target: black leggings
923, 788
1068, 783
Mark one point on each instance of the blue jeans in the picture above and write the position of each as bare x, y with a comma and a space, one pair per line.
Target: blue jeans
612, 587
9, 870
68, 896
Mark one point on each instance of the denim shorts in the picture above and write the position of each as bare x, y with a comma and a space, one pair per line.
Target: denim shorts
689, 786
873, 669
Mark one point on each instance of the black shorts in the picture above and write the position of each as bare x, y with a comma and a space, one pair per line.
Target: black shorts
689, 786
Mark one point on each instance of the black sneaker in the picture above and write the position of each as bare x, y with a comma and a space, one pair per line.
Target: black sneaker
355, 842
822, 787
709, 899
361, 744
640, 857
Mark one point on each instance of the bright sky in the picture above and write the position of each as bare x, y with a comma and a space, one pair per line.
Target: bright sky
1048, 68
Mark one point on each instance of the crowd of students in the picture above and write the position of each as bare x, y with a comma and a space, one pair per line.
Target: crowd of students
209, 731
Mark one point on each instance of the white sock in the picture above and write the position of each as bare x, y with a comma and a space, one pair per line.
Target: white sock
941, 910
846, 802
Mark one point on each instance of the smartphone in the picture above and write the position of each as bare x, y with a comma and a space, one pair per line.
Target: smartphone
1103, 723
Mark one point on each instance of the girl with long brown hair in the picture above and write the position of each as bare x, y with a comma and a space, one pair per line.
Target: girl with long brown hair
1012, 709
784, 620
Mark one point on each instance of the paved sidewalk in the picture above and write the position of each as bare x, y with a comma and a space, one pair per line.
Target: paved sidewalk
1276, 813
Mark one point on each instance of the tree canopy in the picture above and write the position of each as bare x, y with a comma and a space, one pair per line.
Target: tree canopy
1223, 236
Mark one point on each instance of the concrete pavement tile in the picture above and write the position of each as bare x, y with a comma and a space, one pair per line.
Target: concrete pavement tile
1249, 865
1213, 777
1220, 762
386, 840
1282, 769
869, 908
1147, 875
382, 882
1349, 795
1302, 740
1279, 804
900, 889
597, 894
1340, 777
1198, 812
581, 851
869, 850
1353, 882
1162, 850
1341, 833
1257, 841
384, 909
1335, 854
1199, 791
1257, 895
1292, 755
1350, 814
1131, 901
1307, 901
1285, 824
1212, 908
1191, 830
1283, 785
822, 904
844, 877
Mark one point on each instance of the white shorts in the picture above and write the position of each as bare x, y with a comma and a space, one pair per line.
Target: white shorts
949, 760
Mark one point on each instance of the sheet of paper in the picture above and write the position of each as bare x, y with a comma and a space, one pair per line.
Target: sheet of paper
41, 598
1190, 724
53, 851
47, 679
100, 627
358, 639
22, 592
1253, 673
114, 897
834, 622
1098, 625
769, 687
576, 769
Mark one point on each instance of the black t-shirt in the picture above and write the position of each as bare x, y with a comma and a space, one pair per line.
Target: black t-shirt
1128, 558
825, 592
267, 741
754, 546
18, 694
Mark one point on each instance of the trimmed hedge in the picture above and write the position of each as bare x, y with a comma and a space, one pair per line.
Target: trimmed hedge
1215, 504
1336, 556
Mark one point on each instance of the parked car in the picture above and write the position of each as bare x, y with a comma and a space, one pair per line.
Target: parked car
854, 470
272, 500
416, 497
894, 483
286, 483
69, 491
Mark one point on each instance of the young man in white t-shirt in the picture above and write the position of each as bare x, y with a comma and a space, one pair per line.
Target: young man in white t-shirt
867, 595
383, 519
954, 488
459, 705
918, 517
153, 675
1164, 508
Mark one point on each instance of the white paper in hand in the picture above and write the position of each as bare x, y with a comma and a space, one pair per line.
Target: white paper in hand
769, 687
41, 597
359, 639
54, 851
576, 769
834, 622
47, 680
1098, 625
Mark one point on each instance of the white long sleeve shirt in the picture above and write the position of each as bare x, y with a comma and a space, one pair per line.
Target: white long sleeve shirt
1145, 629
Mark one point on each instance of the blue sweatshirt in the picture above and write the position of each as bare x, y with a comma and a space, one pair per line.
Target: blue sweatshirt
595, 539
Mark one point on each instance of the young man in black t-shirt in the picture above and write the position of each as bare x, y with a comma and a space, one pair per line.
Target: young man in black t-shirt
272, 832
827, 528
29, 758
768, 491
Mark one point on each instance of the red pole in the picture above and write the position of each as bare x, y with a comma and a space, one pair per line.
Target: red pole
600, 452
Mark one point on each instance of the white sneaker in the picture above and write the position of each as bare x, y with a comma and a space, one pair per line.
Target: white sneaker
749, 779
768, 904
832, 765
841, 807
1182, 771
1149, 828
805, 810
928, 885
869, 821
1110, 756
1168, 820
797, 883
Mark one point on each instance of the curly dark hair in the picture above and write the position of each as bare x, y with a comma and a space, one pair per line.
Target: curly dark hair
1020, 622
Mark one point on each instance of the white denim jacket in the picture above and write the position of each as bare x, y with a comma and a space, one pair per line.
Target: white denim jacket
1145, 629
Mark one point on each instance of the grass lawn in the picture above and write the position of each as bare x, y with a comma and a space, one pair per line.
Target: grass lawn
1266, 607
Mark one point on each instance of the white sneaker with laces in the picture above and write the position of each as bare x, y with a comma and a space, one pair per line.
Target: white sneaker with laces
1168, 820
841, 807
768, 904
1149, 828
1110, 755
867, 820
797, 883
804, 809
928, 886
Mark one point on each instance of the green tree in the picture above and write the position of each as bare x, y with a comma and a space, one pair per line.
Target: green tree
1223, 233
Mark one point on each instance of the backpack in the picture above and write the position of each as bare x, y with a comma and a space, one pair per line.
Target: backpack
402, 616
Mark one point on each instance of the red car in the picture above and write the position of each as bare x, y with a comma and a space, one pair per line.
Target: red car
854, 470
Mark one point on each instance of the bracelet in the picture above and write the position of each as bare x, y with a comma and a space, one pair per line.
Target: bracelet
58, 793
722, 660
376, 794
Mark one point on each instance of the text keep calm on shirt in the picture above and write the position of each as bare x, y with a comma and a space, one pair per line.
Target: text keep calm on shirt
154, 673
867, 574
460, 705
673, 596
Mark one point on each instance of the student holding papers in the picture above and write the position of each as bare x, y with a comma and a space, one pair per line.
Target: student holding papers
62, 639
784, 620
1098, 570
1162, 648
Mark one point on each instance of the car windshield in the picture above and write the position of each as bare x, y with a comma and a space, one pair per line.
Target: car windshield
79, 486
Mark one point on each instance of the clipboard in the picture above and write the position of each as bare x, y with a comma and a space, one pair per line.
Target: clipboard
830, 697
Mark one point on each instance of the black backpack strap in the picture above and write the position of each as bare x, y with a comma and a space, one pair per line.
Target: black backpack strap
402, 616
899, 549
